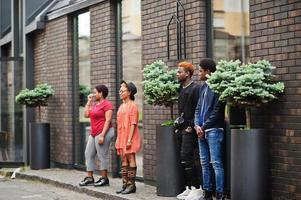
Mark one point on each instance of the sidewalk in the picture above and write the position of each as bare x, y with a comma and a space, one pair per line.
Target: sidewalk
69, 179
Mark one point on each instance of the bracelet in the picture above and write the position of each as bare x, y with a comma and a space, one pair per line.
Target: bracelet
129, 141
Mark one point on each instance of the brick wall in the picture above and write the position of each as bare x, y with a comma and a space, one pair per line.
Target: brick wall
52, 52
155, 17
103, 56
276, 36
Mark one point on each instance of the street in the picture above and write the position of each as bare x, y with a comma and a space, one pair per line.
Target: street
19, 189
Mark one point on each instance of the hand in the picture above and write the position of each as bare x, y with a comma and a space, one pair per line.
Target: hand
201, 134
101, 139
128, 144
199, 131
90, 97
188, 129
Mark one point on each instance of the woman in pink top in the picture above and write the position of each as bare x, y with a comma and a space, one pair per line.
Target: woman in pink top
128, 138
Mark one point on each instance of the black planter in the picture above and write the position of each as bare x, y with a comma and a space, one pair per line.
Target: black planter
249, 170
169, 173
39, 145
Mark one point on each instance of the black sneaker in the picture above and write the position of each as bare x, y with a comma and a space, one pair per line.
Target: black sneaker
89, 180
102, 181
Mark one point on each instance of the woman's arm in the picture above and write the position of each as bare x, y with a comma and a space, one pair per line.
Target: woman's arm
88, 106
134, 115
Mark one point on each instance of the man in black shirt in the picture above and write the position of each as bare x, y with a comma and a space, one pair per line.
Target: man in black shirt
186, 135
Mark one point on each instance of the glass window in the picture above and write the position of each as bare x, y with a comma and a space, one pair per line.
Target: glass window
11, 130
231, 30
132, 57
83, 83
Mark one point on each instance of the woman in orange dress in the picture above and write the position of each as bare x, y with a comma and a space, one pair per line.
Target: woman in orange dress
128, 138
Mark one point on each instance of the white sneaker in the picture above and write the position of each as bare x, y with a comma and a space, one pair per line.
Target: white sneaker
195, 194
184, 194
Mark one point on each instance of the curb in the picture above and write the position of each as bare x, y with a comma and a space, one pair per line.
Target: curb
87, 191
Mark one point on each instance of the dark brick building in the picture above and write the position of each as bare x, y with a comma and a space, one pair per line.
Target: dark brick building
60, 42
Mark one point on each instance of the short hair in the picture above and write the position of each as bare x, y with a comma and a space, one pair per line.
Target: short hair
208, 64
188, 67
102, 89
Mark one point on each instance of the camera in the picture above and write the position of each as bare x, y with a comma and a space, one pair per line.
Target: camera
179, 121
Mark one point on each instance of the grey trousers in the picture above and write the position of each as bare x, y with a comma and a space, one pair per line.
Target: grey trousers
101, 150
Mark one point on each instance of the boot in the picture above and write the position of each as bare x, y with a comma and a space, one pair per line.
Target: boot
131, 187
219, 196
207, 195
124, 176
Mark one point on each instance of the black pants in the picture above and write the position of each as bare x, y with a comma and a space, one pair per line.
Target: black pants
187, 146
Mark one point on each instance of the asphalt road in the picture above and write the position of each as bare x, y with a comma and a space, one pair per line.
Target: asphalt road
18, 189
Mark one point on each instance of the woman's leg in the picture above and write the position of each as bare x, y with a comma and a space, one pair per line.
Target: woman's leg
132, 169
90, 153
124, 174
103, 156
103, 150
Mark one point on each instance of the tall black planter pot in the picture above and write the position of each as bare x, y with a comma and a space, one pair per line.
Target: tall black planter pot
249, 166
169, 173
39, 145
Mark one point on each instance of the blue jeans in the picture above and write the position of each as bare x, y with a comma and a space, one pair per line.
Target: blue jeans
210, 149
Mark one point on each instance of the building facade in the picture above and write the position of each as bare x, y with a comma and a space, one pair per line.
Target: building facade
74, 44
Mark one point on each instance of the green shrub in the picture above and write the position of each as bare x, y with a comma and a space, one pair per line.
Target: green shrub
84, 92
246, 85
35, 98
160, 85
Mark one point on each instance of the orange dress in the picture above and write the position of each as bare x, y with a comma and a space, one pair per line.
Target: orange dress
126, 116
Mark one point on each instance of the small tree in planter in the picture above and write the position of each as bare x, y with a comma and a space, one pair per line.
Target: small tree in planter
249, 85
39, 133
35, 98
160, 86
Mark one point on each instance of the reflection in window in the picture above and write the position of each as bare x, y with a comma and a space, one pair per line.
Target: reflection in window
132, 56
231, 30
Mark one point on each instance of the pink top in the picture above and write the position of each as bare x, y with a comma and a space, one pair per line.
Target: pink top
126, 116
97, 116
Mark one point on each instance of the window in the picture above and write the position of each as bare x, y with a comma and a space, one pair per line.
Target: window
231, 30
11, 123
82, 83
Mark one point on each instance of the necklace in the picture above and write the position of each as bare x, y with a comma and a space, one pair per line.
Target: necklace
187, 85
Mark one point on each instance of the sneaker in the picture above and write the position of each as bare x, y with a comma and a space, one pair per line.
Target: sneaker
207, 195
219, 196
89, 180
102, 181
184, 194
194, 194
